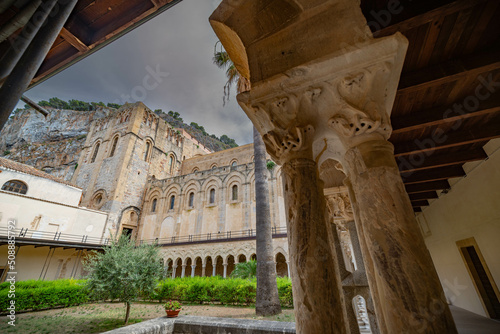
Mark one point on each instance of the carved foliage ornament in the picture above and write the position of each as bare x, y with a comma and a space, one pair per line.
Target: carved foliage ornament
362, 104
290, 144
340, 206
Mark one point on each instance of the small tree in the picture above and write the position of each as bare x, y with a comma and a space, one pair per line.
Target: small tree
124, 272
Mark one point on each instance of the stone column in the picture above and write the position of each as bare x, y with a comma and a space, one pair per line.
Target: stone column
352, 273
174, 269
361, 277
183, 271
214, 269
225, 269
288, 268
316, 284
193, 267
405, 285
203, 268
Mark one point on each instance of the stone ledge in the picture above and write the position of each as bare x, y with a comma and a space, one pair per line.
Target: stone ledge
206, 325
161, 325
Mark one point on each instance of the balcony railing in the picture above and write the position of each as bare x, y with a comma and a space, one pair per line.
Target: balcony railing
213, 237
51, 237
54, 236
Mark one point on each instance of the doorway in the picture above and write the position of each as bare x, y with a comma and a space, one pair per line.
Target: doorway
481, 277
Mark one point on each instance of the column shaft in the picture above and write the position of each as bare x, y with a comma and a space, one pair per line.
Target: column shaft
174, 269
193, 267
214, 268
225, 270
316, 288
183, 270
26, 68
203, 268
407, 293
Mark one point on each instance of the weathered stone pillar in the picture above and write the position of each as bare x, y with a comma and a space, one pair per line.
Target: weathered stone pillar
316, 287
203, 268
174, 269
183, 271
193, 267
214, 269
288, 268
225, 269
324, 92
408, 294
351, 269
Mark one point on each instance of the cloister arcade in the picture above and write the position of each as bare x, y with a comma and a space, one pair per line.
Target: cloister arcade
219, 264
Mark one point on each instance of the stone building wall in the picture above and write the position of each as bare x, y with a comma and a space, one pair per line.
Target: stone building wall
240, 155
468, 215
132, 145
224, 214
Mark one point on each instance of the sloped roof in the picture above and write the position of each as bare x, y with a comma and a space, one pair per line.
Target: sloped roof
19, 167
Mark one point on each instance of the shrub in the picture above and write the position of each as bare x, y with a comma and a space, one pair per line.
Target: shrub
38, 295
285, 291
234, 291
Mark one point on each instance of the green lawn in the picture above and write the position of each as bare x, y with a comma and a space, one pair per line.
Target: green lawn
101, 317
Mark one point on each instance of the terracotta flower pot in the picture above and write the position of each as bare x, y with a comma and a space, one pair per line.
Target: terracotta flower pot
172, 313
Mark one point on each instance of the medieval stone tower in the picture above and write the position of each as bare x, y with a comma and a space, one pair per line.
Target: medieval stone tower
120, 153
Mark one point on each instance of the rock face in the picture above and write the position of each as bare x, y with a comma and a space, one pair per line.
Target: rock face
52, 144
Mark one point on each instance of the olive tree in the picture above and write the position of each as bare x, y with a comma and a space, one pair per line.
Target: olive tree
124, 271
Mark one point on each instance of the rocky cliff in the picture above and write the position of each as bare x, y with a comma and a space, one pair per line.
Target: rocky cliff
51, 144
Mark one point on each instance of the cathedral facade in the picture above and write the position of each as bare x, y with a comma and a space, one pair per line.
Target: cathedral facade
160, 185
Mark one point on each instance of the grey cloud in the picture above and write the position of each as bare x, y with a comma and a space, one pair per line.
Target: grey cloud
181, 42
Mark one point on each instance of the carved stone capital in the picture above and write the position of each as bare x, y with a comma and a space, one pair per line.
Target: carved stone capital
339, 206
346, 98
295, 144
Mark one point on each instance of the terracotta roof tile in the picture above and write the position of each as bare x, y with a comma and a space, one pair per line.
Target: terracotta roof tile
17, 166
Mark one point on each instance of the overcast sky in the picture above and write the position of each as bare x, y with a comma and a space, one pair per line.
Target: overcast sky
179, 42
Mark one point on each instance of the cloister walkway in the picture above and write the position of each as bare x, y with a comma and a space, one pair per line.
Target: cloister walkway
471, 323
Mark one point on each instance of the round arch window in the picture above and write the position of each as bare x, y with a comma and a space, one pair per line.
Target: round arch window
15, 186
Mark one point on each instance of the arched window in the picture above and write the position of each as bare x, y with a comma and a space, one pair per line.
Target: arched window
191, 200
171, 164
146, 151
113, 147
234, 193
15, 186
153, 206
212, 196
96, 150
214, 166
172, 202
233, 164
97, 201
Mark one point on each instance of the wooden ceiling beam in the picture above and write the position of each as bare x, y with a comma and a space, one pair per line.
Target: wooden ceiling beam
452, 70
436, 174
442, 115
420, 203
441, 160
427, 17
73, 40
423, 195
428, 186
428, 146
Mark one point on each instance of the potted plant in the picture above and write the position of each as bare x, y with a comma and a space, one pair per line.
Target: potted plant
172, 308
